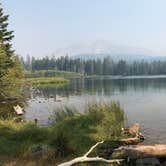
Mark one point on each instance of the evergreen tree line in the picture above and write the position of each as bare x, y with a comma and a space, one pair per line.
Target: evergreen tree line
96, 67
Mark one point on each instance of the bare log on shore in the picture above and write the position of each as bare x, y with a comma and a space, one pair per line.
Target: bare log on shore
107, 151
140, 151
132, 131
85, 158
128, 148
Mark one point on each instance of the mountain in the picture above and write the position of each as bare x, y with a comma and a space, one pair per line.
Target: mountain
102, 48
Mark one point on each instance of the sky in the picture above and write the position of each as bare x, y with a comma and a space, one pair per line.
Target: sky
43, 26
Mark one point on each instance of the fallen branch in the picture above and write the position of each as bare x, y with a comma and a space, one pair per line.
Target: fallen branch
85, 158
132, 141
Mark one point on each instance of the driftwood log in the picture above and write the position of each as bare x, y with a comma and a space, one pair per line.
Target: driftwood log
131, 147
108, 147
140, 151
128, 148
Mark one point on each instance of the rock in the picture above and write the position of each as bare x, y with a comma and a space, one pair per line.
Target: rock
18, 110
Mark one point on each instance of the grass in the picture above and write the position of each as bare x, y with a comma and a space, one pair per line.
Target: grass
71, 135
48, 80
17, 139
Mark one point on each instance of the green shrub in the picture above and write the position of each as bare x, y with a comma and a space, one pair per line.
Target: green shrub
101, 121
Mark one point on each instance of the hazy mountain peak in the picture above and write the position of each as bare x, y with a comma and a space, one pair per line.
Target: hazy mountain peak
101, 47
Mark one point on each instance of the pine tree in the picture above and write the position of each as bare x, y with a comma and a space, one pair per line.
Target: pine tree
6, 52
5, 35
4, 61
10, 67
7, 58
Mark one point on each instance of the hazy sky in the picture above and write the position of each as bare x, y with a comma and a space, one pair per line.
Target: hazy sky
43, 26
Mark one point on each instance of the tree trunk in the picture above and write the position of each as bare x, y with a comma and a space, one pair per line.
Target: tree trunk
140, 151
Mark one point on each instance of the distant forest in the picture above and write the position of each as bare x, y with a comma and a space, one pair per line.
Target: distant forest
95, 67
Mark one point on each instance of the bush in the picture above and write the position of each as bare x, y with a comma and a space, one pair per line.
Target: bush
78, 132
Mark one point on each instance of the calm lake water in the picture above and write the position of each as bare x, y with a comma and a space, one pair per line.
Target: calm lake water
143, 100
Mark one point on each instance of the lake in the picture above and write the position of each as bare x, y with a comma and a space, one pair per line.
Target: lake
142, 98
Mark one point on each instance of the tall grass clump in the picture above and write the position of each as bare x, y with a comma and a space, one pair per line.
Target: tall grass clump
74, 134
110, 119
64, 112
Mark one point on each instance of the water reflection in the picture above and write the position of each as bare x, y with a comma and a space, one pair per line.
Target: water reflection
101, 86
143, 101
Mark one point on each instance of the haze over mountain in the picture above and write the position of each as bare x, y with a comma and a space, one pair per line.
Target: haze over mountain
103, 48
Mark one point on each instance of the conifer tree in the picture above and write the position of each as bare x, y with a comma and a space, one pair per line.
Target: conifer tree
6, 52
5, 35
5, 61
10, 67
